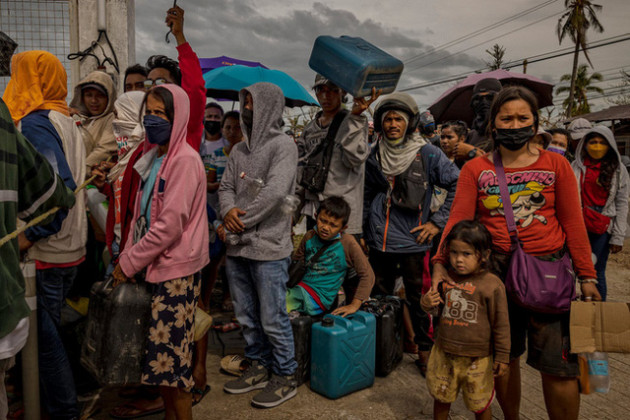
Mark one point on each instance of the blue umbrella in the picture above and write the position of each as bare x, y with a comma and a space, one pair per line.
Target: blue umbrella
226, 82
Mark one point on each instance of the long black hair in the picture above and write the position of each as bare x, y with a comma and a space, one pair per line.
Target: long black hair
474, 234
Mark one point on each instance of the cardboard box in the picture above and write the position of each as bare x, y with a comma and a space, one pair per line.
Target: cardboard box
600, 326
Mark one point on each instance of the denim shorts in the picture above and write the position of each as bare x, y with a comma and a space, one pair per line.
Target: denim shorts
544, 336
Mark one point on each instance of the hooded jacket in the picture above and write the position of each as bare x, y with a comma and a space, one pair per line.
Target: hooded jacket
389, 231
38, 81
176, 244
37, 92
99, 139
270, 155
616, 206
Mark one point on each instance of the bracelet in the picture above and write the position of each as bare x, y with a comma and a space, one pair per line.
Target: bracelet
582, 281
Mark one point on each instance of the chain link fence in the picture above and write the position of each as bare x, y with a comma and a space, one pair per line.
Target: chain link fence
37, 25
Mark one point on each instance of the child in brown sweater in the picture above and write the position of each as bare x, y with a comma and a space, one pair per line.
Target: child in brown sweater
473, 338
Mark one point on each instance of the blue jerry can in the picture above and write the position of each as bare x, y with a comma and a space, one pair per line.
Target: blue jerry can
355, 65
342, 354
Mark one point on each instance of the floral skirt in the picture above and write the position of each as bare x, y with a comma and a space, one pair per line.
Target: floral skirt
168, 356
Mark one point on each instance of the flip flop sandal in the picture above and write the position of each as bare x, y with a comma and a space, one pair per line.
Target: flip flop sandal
232, 364
201, 392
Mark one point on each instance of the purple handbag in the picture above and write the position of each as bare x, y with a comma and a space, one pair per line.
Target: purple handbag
542, 286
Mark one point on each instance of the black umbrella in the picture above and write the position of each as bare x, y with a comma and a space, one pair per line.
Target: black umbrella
454, 104
7, 46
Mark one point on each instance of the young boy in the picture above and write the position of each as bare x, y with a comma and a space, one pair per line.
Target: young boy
323, 278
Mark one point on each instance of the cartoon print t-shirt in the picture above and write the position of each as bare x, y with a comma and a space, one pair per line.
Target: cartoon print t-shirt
544, 200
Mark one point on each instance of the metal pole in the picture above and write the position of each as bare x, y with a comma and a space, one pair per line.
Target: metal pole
30, 366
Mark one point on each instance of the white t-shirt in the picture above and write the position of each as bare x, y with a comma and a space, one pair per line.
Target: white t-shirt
13, 342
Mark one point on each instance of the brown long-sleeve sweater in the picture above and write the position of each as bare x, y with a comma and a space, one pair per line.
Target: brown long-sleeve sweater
474, 317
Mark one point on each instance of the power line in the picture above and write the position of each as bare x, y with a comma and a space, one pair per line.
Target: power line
609, 41
483, 42
478, 32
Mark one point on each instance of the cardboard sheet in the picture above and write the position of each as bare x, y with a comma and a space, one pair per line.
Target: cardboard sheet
600, 326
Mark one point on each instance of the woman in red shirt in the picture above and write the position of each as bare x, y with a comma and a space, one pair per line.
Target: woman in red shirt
544, 197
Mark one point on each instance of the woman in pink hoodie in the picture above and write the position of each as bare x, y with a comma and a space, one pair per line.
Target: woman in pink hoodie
169, 239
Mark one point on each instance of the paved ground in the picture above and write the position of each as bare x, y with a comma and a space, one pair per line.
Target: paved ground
403, 394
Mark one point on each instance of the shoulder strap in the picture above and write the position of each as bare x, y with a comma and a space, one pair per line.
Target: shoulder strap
505, 196
334, 125
320, 251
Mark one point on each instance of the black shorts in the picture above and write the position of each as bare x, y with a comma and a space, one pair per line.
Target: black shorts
544, 336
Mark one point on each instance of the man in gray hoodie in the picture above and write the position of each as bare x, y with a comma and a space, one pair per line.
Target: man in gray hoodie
260, 173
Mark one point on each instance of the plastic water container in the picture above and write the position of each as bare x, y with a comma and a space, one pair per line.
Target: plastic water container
98, 205
342, 354
598, 373
355, 65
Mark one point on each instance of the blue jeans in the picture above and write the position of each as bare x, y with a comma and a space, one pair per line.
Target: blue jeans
258, 291
59, 394
601, 248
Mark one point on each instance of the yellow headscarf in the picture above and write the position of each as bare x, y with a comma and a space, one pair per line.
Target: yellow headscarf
38, 81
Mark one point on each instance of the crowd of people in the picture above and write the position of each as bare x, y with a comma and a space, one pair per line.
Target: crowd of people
192, 189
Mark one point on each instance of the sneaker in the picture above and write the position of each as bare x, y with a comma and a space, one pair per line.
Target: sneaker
278, 390
255, 377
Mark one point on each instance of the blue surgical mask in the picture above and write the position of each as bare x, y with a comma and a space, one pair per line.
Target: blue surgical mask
158, 130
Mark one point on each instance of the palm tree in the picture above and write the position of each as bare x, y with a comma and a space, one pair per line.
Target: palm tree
582, 84
579, 16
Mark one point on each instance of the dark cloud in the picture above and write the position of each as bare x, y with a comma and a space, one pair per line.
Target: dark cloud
237, 28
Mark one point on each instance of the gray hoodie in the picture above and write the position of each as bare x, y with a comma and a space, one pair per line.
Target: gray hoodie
617, 204
269, 155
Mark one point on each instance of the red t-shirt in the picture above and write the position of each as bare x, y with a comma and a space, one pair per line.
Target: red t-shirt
545, 202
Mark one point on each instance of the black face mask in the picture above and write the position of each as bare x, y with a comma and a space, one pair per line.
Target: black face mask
212, 127
513, 138
247, 116
481, 108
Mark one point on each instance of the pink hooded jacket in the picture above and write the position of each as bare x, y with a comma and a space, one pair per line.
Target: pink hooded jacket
176, 244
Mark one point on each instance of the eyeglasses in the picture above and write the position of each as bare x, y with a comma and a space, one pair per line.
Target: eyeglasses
148, 84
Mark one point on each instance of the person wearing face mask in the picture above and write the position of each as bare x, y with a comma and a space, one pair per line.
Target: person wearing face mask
129, 133
561, 143
477, 142
213, 136
604, 186
400, 177
544, 198
169, 216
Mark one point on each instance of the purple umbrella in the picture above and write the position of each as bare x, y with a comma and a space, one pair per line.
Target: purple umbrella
454, 104
208, 64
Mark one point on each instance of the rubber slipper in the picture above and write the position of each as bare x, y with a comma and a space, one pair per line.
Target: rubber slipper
134, 412
201, 392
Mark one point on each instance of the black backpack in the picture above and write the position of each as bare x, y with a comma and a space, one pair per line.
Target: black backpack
410, 187
317, 163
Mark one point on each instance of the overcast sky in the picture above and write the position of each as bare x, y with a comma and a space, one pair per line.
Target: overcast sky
280, 34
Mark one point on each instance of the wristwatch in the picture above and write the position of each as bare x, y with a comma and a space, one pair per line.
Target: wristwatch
472, 154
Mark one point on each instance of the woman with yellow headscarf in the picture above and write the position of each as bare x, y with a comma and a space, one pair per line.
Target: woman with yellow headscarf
36, 97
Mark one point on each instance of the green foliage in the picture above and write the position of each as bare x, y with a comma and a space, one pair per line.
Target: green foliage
497, 53
583, 85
